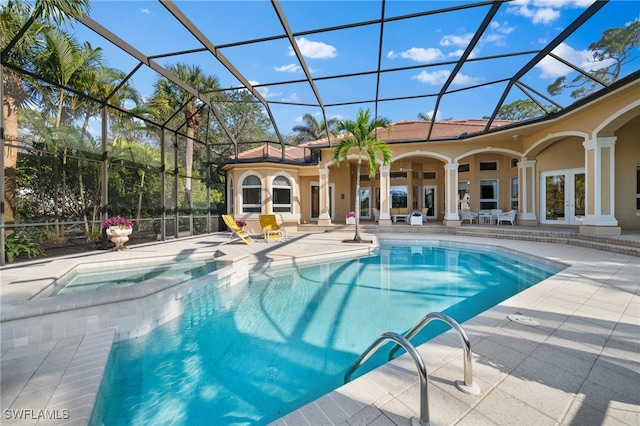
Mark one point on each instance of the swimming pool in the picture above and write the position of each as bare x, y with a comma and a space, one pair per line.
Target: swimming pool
250, 354
94, 277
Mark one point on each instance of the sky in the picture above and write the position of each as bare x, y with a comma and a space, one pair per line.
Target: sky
437, 40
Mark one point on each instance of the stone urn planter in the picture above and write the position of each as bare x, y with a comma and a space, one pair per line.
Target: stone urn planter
118, 230
119, 236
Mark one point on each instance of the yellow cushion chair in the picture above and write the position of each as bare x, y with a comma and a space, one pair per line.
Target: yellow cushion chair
237, 233
270, 228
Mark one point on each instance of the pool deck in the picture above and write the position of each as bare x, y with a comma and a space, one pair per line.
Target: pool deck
579, 366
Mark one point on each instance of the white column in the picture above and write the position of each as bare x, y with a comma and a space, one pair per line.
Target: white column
599, 160
527, 190
385, 195
325, 216
451, 217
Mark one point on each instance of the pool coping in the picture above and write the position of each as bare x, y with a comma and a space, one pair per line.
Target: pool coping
310, 258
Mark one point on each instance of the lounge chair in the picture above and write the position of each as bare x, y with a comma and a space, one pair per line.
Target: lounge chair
270, 228
467, 215
237, 233
509, 216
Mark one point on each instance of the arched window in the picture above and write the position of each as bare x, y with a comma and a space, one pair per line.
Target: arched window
251, 195
281, 188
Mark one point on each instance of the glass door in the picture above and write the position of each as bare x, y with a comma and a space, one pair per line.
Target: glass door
563, 197
365, 202
315, 201
430, 201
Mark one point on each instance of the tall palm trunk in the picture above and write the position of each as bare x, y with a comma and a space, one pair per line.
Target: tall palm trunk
140, 194
10, 153
357, 237
14, 94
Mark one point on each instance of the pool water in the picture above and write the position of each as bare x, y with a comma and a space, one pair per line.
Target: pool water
251, 354
78, 282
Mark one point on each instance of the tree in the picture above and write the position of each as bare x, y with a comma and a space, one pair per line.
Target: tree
615, 47
424, 116
20, 28
168, 98
522, 109
361, 136
313, 130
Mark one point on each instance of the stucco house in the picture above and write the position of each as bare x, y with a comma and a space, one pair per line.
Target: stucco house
579, 167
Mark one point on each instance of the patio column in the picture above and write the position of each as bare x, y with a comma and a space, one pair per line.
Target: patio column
451, 217
385, 199
267, 200
599, 163
527, 192
325, 215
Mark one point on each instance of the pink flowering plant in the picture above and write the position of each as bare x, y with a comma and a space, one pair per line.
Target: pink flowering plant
241, 223
117, 221
351, 215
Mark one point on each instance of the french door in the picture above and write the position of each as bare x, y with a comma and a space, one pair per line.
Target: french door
315, 201
365, 202
563, 197
429, 201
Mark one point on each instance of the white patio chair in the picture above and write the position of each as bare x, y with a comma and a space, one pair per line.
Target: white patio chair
494, 215
509, 216
468, 215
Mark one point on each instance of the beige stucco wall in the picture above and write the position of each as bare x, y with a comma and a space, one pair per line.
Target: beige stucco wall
627, 151
553, 145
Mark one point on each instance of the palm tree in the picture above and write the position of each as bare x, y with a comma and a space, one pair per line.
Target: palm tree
312, 130
20, 27
168, 98
361, 135
424, 116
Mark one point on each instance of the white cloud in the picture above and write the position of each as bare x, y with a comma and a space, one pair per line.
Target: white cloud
440, 77
314, 49
264, 91
495, 39
454, 40
458, 53
465, 80
288, 68
552, 68
545, 15
502, 28
418, 54
563, 3
436, 77
145, 11
292, 98
544, 11
438, 115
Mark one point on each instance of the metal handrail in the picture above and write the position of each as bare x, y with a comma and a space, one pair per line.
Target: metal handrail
467, 386
411, 350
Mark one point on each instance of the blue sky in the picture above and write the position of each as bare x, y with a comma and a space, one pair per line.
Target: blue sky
519, 26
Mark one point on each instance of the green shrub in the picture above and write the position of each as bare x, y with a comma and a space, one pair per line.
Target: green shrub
16, 244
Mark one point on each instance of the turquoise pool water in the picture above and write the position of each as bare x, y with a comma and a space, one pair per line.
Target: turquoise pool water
250, 354
85, 281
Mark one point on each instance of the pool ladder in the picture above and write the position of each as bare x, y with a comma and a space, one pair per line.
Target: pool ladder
403, 341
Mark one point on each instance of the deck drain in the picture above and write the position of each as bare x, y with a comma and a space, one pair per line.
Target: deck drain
521, 319
272, 373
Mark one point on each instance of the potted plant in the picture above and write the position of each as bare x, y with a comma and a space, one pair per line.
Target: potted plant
351, 218
118, 230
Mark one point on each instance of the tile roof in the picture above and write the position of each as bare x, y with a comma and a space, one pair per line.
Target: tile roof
402, 131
